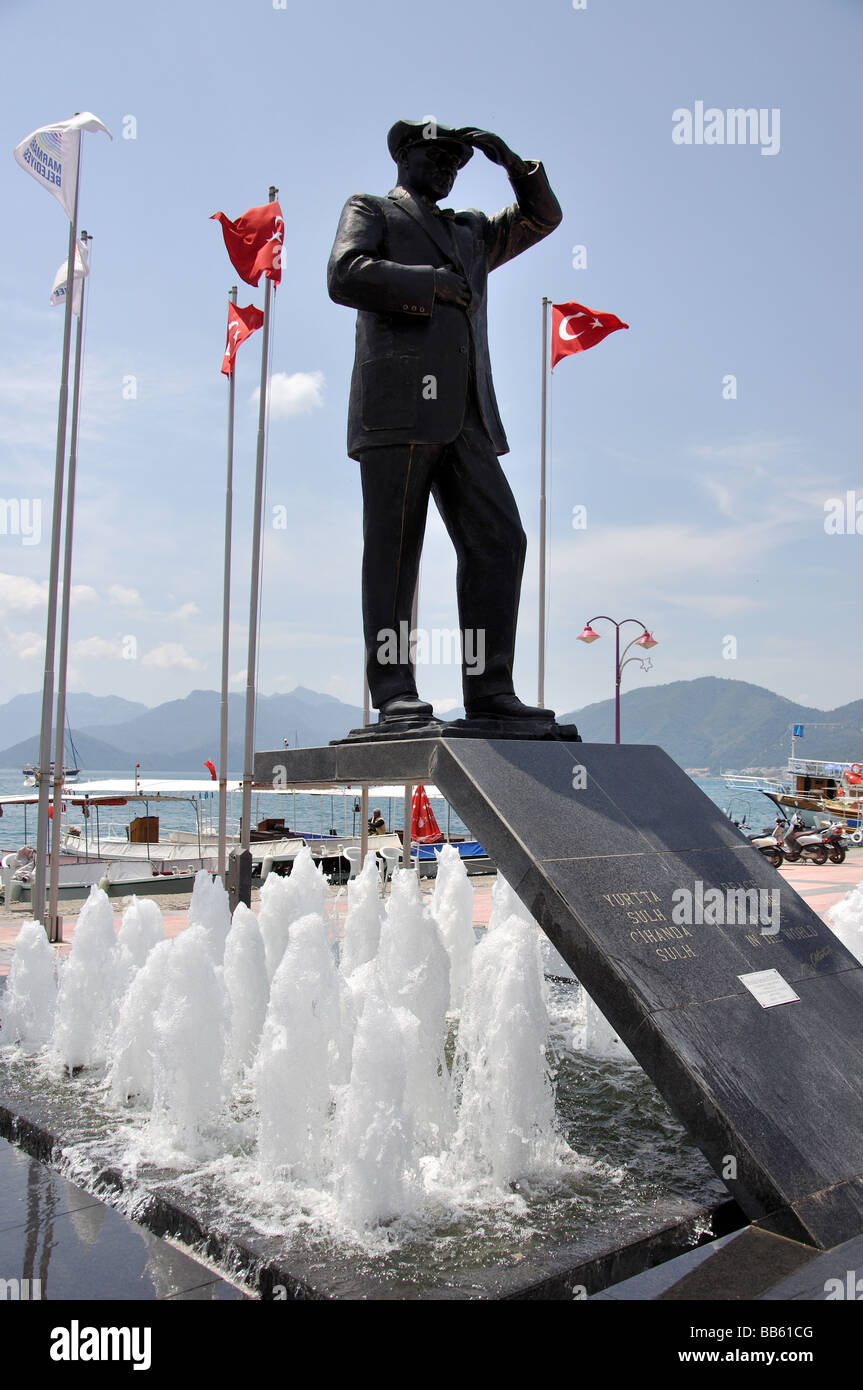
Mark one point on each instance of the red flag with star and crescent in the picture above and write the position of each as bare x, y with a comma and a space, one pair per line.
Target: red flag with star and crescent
254, 242
424, 827
242, 323
575, 328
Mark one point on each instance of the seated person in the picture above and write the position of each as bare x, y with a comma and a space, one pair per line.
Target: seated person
377, 824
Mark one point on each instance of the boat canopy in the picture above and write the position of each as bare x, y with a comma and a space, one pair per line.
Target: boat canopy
116, 793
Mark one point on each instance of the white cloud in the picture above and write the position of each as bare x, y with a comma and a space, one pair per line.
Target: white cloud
169, 656
239, 678
18, 593
83, 593
185, 611
639, 558
444, 706
294, 393
27, 646
719, 606
756, 454
127, 598
96, 648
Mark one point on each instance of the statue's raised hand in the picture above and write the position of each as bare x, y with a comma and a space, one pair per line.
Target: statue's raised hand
494, 149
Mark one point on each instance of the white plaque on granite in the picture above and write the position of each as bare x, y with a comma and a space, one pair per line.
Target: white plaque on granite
769, 988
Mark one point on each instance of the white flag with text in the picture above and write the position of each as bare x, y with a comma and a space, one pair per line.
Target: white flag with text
58, 291
50, 155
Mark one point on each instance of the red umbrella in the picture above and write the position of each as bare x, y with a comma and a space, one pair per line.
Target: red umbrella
424, 827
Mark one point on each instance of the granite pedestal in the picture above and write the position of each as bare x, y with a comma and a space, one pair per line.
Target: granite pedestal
615, 851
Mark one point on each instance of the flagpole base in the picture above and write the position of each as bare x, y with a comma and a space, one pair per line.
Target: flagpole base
239, 879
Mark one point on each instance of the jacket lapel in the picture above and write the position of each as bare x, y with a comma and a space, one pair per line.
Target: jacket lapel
448, 244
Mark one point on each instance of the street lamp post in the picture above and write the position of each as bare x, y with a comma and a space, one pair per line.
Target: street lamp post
645, 641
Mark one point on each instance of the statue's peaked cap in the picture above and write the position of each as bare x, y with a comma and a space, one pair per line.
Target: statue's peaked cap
405, 133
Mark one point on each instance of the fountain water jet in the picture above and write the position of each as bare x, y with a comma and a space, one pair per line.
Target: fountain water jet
286, 900
141, 929
189, 1037
31, 991
452, 909
374, 1158
91, 984
362, 928
506, 1128
247, 985
298, 1055
415, 976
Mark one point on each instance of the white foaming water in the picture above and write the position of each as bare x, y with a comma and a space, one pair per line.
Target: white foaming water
130, 1072
506, 1127
286, 900
845, 920
188, 1049
247, 984
211, 910
90, 984
298, 1056
452, 909
142, 929
31, 991
505, 903
592, 1032
414, 974
340, 1075
362, 929
600, 1039
374, 1154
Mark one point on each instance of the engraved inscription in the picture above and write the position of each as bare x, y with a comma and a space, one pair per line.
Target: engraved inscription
650, 925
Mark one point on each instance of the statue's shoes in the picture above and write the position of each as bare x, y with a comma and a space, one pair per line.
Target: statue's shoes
507, 707
405, 707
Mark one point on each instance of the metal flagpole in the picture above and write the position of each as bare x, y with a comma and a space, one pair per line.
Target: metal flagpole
226, 623
364, 796
406, 831
409, 791
54, 922
244, 887
542, 506
37, 901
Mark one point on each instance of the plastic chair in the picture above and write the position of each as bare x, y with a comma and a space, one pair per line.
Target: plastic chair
354, 856
392, 857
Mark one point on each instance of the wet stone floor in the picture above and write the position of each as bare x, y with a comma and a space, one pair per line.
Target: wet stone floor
59, 1242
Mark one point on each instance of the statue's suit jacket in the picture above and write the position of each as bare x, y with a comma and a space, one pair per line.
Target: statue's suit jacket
414, 355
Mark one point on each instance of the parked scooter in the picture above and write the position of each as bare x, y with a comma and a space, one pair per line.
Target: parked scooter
769, 843
799, 842
832, 836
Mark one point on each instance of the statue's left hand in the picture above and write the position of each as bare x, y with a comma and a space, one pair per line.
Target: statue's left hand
494, 149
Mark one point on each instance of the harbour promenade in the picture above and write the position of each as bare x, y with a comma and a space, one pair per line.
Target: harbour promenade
820, 887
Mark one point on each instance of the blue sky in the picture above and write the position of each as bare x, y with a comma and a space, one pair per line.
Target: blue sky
706, 515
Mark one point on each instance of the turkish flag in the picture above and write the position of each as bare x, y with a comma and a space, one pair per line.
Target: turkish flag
254, 242
424, 827
575, 329
242, 323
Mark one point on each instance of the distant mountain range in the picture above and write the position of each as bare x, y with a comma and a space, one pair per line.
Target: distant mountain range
723, 724
178, 736
706, 723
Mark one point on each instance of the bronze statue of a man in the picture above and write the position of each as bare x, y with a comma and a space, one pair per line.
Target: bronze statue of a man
423, 419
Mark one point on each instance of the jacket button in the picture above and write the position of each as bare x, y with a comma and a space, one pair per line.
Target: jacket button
462, 349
